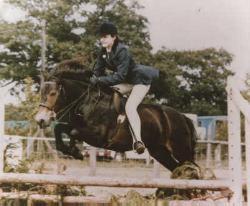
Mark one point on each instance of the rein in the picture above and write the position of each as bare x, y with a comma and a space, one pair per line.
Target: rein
73, 104
68, 107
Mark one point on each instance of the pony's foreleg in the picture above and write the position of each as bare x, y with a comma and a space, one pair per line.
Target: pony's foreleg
164, 156
74, 150
71, 150
59, 129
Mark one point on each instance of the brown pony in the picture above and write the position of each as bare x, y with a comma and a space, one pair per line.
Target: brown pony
88, 113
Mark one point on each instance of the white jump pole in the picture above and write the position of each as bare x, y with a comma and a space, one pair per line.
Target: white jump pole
2, 91
143, 182
247, 139
234, 147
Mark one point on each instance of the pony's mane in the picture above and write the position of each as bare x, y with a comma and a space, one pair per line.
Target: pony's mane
74, 69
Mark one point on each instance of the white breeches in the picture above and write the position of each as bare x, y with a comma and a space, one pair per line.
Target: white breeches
136, 95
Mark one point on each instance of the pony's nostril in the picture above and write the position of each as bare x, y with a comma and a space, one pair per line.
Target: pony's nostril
41, 123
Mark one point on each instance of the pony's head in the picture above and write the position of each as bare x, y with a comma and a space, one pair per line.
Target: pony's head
53, 89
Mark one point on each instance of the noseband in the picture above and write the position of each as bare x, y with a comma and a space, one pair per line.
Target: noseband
45, 106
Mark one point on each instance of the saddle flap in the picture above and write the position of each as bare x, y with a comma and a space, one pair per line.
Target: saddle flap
119, 102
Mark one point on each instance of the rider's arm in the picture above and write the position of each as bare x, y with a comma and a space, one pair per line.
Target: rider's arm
122, 65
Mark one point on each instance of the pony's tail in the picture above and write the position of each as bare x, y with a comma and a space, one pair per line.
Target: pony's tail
193, 135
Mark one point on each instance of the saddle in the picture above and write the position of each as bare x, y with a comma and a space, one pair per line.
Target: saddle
119, 101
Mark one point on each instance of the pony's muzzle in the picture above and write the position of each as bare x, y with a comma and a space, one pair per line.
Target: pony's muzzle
53, 118
44, 119
41, 124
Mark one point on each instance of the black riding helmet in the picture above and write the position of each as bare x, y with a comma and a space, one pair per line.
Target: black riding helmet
107, 28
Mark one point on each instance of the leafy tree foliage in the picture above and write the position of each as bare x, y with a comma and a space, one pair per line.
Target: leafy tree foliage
246, 93
24, 111
28, 106
21, 52
194, 81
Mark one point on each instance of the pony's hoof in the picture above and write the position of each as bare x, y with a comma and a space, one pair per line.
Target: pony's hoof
76, 153
74, 132
139, 147
78, 156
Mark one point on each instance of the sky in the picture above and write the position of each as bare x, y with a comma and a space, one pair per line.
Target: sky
193, 24
199, 24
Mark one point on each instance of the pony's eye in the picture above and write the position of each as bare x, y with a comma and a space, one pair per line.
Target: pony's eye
52, 94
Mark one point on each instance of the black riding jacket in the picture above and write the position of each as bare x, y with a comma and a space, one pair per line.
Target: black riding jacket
120, 61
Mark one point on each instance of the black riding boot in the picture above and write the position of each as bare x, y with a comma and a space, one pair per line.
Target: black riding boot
139, 147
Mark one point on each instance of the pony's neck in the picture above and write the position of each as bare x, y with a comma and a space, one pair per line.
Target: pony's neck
74, 88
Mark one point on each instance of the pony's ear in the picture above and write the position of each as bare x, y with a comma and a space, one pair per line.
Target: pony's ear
43, 76
46, 75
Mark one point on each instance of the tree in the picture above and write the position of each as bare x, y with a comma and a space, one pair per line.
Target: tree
194, 81
21, 57
24, 111
28, 106
246, 93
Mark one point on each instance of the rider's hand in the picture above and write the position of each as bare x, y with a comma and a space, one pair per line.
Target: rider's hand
121, 118
94, 80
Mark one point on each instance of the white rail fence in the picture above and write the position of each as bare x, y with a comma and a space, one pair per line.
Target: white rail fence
92, 165
212, 155
237, 105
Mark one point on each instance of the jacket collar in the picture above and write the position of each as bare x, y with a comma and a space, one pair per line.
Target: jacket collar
116, 42
117, 46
